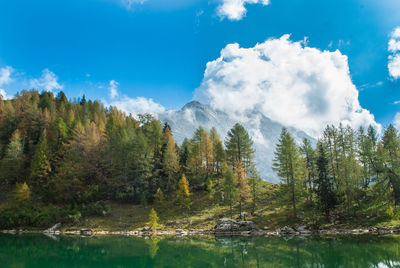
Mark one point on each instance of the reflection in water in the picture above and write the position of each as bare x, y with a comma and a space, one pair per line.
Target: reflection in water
117, 251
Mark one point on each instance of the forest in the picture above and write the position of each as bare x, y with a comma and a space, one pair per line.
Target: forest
62, 160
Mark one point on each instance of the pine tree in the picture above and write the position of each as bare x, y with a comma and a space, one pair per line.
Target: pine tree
310, 161
239, 147
325, 189
230, 190
218, 152
40, 165
170, 161
183, 193
287, 163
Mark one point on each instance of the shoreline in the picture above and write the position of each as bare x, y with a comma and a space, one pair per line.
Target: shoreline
183, 232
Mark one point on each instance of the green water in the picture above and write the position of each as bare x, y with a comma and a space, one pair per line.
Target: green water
118, 251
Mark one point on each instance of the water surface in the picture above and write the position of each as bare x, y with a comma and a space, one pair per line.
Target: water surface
119, 251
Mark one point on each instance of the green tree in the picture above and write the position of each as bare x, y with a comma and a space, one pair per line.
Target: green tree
310, 162
170, 160
326, 194
230, 190
239, 147
153, 219
288, 164
40, 165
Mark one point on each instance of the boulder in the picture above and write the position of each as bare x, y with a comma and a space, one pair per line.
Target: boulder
230, 226
287, 230
86, 231
53, 228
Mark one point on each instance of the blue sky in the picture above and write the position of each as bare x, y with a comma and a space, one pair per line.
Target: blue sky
159, 48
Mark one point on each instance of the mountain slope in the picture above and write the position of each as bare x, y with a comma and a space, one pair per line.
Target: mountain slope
264, 131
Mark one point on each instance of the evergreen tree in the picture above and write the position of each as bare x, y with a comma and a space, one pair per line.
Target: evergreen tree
325, 189
170, 161
288, 164
40, 165
310, 161
239, 147
230, 190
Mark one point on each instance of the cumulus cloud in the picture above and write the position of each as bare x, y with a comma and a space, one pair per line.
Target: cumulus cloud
48, 81
235, 9
288, 82
5, 78
113, 89
394, 57
396, 121
139, 105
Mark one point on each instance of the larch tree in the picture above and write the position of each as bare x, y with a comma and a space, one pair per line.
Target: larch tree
288, 164
242, 184
183, 193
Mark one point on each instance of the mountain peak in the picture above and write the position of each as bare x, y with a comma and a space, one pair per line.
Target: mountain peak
193, 104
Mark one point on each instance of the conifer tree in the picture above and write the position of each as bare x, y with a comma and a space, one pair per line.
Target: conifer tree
153, 219
170, 161
230, 190
310, 162
239, 147
40, 165
287, 163
183, 193
242, 185
325, 189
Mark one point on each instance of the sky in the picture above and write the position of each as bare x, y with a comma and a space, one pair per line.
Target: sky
321, 61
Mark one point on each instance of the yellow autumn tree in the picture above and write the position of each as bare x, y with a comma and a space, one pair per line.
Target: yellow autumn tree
183, 193
153, 219
242, 184
22, 192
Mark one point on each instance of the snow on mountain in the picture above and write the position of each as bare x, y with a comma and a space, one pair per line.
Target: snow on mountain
264, 132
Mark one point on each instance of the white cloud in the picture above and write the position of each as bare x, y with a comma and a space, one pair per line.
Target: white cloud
113, 89
4, 95
286, 81
48, 81
396, 121
138, 105
5, 78
394, 58
5, 75
235, 9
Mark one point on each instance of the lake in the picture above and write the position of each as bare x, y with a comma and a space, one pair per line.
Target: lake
118, 251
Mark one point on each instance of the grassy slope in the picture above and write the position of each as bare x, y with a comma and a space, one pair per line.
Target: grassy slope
206, 211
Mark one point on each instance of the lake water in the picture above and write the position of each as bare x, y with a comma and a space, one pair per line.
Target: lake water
118, 251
